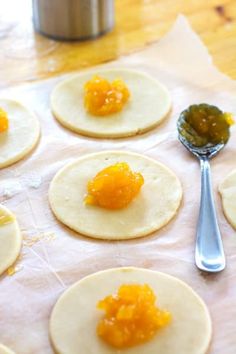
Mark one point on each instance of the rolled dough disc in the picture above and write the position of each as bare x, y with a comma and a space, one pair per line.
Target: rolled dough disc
228, 193
5, 350
148, 105
155, 205
10, 239
22, 135
74, 318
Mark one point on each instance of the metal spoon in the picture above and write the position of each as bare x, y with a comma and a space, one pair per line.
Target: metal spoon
209, 253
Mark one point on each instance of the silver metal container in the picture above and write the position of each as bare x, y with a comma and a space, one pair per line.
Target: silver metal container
73, 19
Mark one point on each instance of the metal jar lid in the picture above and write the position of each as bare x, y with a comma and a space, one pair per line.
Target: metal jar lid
73, 19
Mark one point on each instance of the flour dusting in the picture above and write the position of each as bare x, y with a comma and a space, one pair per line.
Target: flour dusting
10, 189
34, 180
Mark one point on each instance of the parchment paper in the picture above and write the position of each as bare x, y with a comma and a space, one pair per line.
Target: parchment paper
53, 257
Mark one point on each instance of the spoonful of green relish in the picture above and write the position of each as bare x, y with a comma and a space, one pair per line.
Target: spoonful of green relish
204, 131
203, 125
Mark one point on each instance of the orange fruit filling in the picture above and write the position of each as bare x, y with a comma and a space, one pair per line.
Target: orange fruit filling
229, 118
131, 316
114, 187
3, 121
103, 98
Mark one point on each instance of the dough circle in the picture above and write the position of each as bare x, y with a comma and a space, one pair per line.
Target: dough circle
227, 190
155, 205
22, 135
5, 350
74, 318
148, 105
10, 239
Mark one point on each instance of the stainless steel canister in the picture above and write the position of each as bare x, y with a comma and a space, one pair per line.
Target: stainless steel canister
73, 19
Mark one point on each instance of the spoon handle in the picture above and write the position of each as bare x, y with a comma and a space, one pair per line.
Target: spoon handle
209, 253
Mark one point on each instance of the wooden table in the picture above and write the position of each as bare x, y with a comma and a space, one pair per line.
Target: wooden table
25, 55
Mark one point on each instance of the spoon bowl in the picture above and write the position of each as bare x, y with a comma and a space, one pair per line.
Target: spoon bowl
208, 151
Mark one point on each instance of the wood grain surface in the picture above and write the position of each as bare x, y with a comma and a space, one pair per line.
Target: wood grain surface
26, 55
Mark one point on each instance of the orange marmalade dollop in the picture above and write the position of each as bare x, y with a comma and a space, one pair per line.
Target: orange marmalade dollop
131, 316
114, 187
3, 121
103, 98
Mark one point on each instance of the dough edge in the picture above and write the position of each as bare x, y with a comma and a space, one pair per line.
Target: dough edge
221, 190
130, 269
115, 135
31, 147
18, 238
101, 237
5, 350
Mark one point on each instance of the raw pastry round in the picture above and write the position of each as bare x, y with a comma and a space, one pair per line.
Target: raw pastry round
10, 239
74, 318
147, 107
155, 205
228, 193
5, 350
22, 134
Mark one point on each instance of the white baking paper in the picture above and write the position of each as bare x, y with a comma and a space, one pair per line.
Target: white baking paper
53, 257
